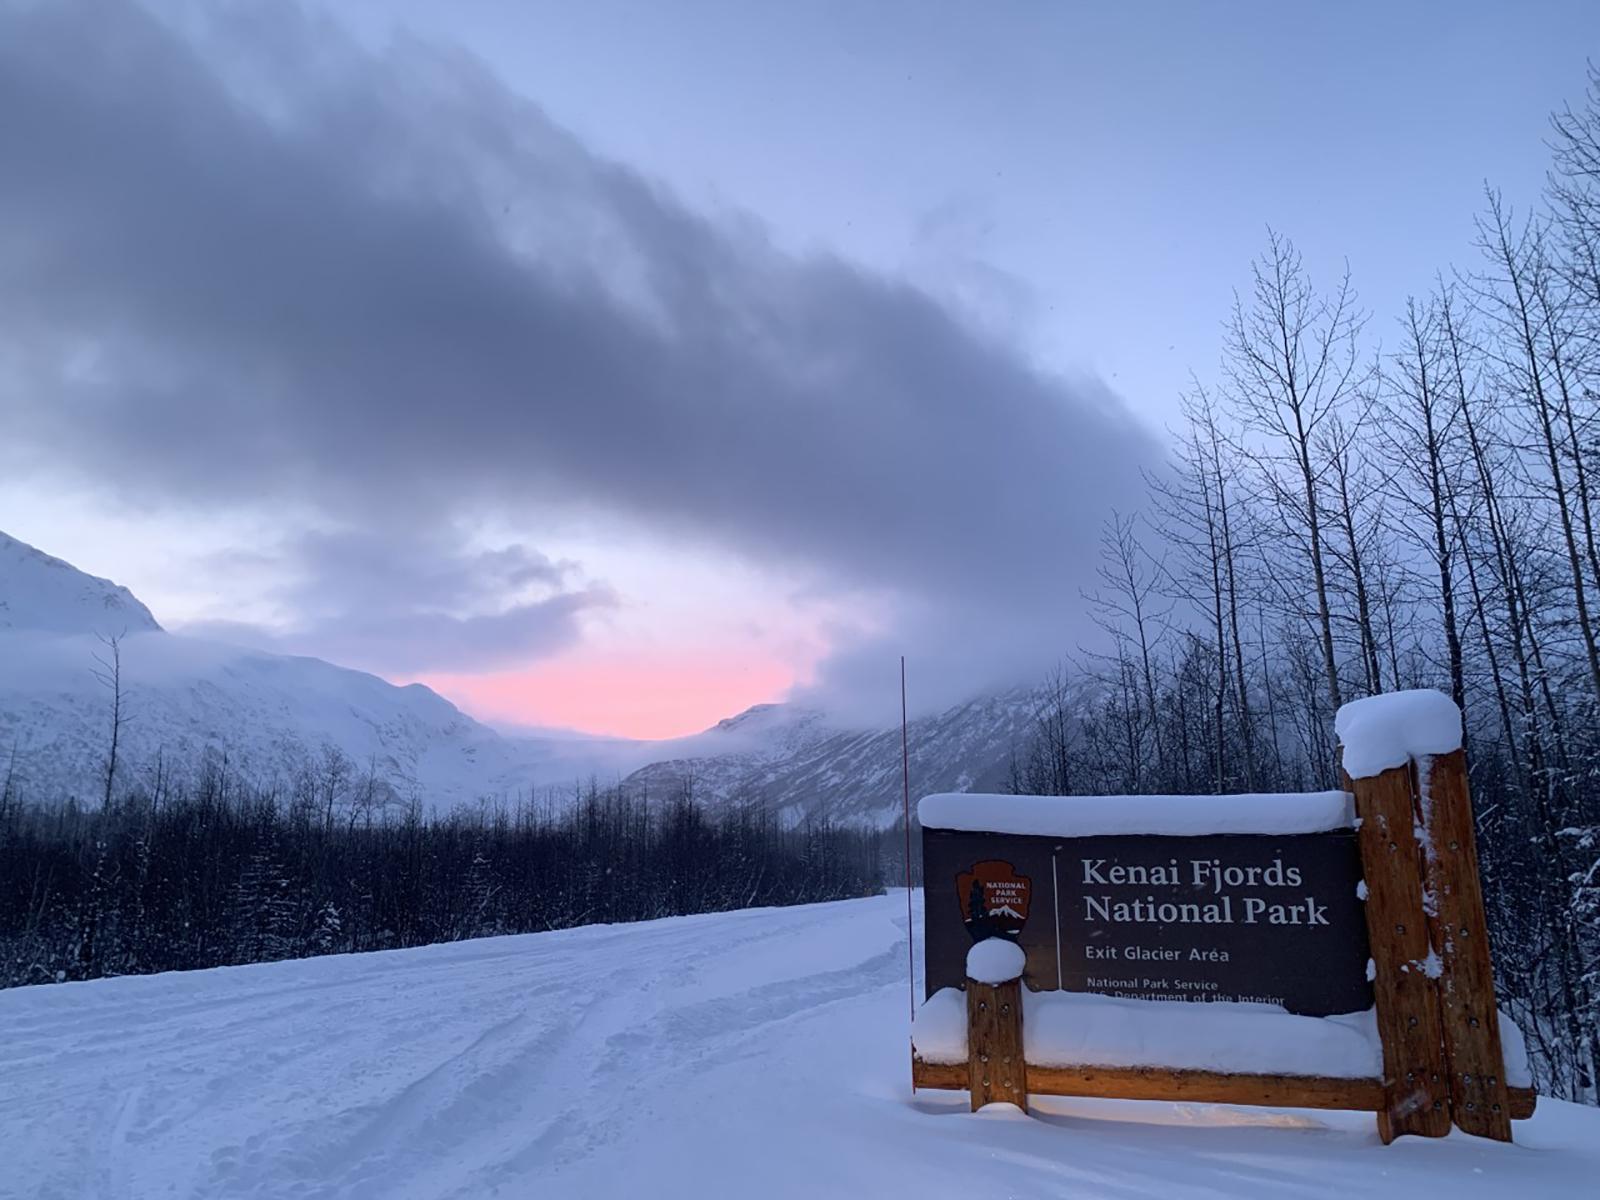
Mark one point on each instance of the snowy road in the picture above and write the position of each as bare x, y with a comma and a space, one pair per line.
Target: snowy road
760, 1053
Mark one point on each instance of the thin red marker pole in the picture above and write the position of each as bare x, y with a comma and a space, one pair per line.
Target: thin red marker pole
905, 779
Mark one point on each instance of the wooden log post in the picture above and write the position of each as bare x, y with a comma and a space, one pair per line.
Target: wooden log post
1480, 1101
1416, 1091
995, 1064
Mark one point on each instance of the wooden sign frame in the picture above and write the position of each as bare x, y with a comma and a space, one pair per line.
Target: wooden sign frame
1433, 986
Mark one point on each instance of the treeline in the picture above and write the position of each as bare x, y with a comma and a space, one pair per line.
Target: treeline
223, 872
1357, 507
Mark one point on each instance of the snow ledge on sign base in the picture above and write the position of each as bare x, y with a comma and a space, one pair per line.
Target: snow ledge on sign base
995, 961
939, 1029
1068, 1029
1084, 1029
1175, 816
1380, 732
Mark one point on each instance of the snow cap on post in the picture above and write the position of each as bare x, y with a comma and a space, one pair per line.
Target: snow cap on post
995, 961
1381, 732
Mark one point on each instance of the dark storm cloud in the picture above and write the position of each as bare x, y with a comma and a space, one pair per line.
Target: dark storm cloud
412, 605
250, 263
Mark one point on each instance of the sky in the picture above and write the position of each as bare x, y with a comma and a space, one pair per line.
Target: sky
616, 366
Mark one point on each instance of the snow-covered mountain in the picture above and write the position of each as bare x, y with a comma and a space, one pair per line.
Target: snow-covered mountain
273, 716
42, 594
852, 775
187, 699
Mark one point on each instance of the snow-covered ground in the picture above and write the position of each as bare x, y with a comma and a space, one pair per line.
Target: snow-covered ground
760, 1053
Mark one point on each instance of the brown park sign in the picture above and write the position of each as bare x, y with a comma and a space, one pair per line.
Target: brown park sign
1253, 918
1365, 899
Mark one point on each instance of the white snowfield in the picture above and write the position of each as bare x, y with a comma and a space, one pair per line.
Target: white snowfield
760, 1053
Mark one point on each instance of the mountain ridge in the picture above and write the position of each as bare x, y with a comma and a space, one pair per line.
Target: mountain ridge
301, 721
64, 599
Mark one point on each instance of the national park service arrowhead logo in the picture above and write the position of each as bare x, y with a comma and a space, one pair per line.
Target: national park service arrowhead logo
994, 900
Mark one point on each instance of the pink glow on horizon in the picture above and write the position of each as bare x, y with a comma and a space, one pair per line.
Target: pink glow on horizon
630, 696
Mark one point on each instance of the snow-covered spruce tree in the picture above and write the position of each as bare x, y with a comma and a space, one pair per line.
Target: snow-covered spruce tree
264, 910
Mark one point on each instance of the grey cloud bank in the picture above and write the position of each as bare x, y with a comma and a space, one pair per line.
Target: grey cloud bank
411, 606
244, 262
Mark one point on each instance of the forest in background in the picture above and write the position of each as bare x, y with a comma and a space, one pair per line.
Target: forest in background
1356, 507
220, 871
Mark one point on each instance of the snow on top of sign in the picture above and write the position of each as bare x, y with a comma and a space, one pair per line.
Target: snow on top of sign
995, 960
1088, 816
1379, 732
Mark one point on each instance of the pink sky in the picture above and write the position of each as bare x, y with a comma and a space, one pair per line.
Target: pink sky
642, 696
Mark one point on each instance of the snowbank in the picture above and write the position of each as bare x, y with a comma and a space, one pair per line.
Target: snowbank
995, 960
1088, 816
1380, 732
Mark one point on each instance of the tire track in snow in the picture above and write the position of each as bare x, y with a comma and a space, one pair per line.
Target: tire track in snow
455, 1070
490, 1101
110, 1174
